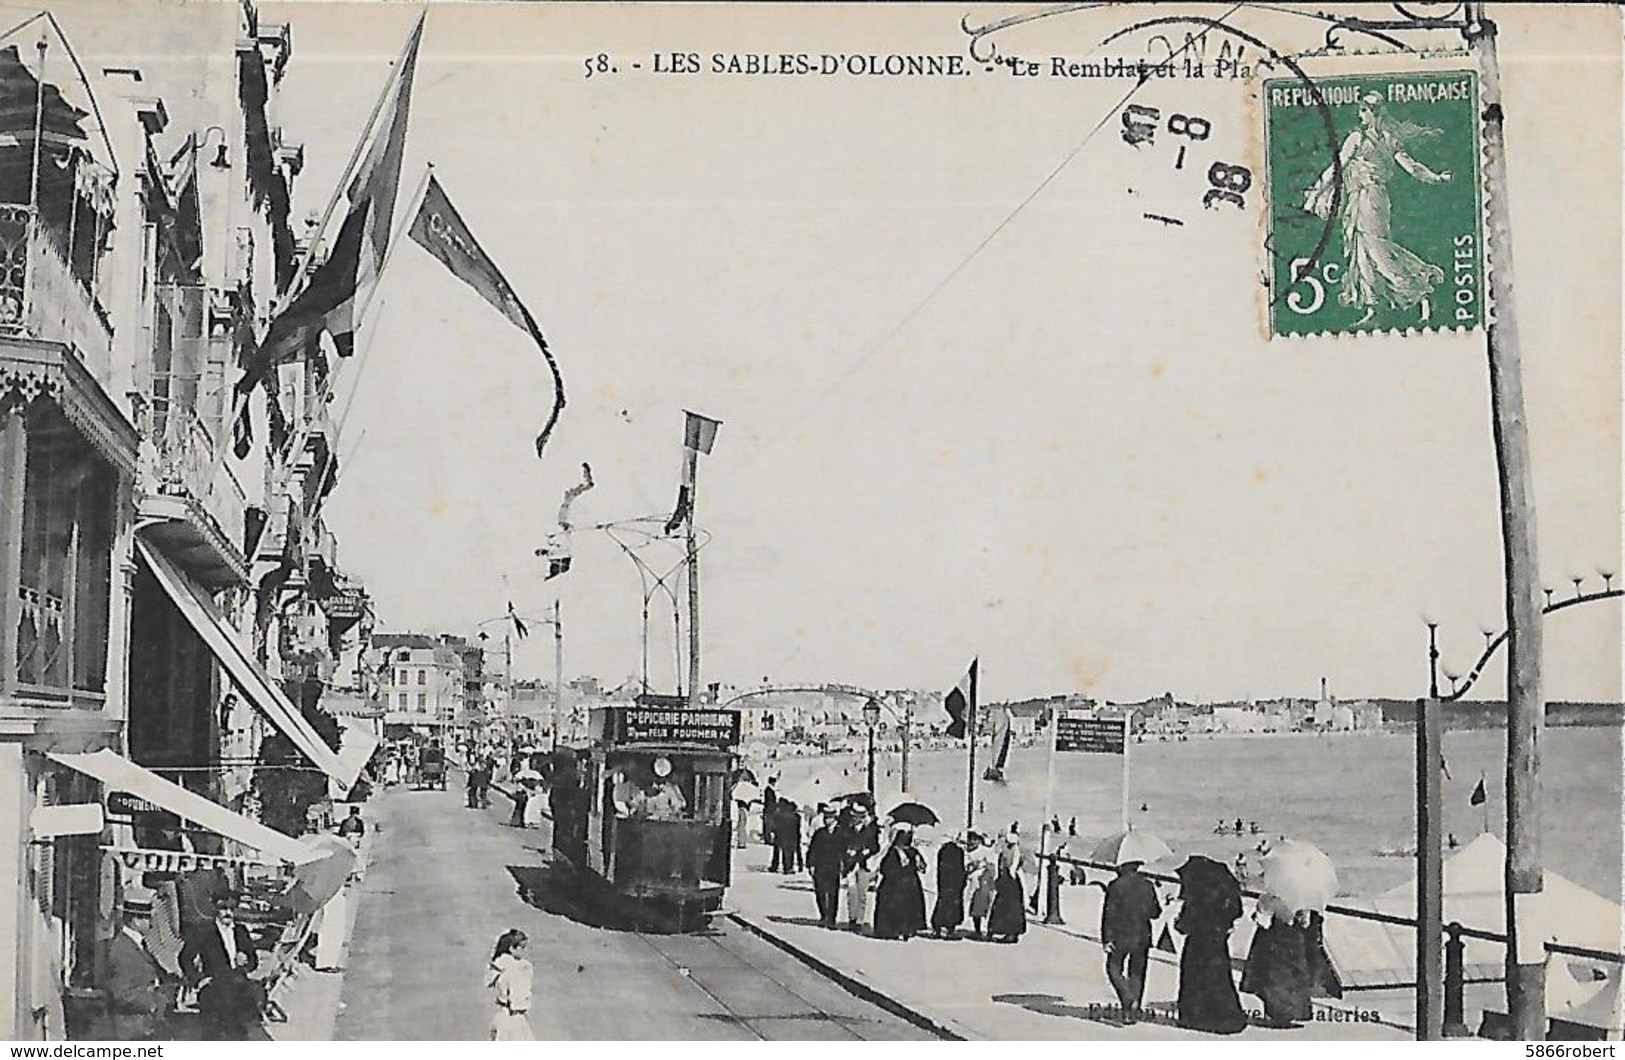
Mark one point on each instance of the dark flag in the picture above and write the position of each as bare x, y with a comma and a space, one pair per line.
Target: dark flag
679, 514
440, 230
1479, 796
519, 628
699, 434
328, 300
961, 703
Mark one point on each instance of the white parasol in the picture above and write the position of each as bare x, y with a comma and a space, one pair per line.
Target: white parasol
1300, 875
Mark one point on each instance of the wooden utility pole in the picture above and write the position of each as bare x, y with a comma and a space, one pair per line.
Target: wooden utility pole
558, 673
1429, 872
1525, 954
691, 475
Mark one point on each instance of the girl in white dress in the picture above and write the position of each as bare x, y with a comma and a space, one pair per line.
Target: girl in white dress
509, 980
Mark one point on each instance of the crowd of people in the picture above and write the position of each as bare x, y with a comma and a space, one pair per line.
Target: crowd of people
980, 881
216, 964
850, 853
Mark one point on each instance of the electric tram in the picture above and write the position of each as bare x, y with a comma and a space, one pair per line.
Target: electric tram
644, 806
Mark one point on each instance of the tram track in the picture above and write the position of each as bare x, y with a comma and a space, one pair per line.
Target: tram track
751, 996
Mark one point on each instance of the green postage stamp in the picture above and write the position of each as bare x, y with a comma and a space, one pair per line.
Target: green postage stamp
1374, 203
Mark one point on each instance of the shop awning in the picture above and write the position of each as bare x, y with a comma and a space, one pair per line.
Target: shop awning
118, 773
357, 744
246, 672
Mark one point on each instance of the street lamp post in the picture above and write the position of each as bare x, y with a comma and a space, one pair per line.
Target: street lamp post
871, 718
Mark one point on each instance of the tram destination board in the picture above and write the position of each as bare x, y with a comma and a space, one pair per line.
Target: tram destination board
713, 728
1101, 736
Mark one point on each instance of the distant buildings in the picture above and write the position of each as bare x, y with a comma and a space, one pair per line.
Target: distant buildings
420, 683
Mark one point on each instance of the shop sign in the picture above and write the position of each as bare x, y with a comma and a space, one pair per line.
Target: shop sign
142, 859
713, 728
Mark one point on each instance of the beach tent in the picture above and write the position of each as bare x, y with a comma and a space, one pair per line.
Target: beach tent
1372, 954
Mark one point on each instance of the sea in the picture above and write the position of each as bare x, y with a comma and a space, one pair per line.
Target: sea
1351, 794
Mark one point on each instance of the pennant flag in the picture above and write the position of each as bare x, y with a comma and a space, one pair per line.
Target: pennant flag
572, 493
328, 299
699, 434
440, 230
1479, 796
679, 514
961, 703
519, 628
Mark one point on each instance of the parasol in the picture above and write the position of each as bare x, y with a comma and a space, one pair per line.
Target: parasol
324, 875
1300, 875
746, 792
1128, 846
914, 813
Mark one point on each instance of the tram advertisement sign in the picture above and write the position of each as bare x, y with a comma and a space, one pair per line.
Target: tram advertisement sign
717, 728
1101, 736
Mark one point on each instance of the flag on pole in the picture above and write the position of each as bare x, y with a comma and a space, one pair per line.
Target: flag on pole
519, 628
1479, 796
699, 434
328, 301
439, 229
960, 703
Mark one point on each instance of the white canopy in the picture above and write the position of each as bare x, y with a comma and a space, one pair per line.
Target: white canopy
246, 672
118, 773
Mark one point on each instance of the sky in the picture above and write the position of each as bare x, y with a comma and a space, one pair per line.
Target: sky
974, 403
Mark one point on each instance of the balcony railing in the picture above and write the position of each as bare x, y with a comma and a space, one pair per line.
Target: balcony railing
188, 467
42, 298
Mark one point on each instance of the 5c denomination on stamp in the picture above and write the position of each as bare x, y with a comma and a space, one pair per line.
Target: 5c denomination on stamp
1401, 196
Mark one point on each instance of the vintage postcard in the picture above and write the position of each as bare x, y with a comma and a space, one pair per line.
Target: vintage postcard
823, 522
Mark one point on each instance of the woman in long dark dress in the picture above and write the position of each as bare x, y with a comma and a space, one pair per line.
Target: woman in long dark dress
900, 899
1007, 921
950, 908
1278, 968
1210, 900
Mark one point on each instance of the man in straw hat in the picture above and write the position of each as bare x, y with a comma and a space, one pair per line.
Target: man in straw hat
826, 852
137, 999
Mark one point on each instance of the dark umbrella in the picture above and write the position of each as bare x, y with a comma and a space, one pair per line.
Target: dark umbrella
1208, 885
915, 813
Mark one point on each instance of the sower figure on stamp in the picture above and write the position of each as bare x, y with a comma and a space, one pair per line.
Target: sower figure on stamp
1379, 273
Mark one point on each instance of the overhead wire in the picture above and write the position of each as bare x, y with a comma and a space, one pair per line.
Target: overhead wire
788, 429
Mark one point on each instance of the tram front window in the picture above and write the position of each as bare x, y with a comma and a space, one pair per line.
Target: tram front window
664, 800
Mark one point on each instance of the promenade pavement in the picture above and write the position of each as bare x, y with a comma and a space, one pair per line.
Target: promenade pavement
1051, 985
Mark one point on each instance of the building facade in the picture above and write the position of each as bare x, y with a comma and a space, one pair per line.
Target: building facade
164, 601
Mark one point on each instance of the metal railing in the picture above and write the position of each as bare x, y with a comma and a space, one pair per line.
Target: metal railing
42, 297
1455, 943
187, 465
